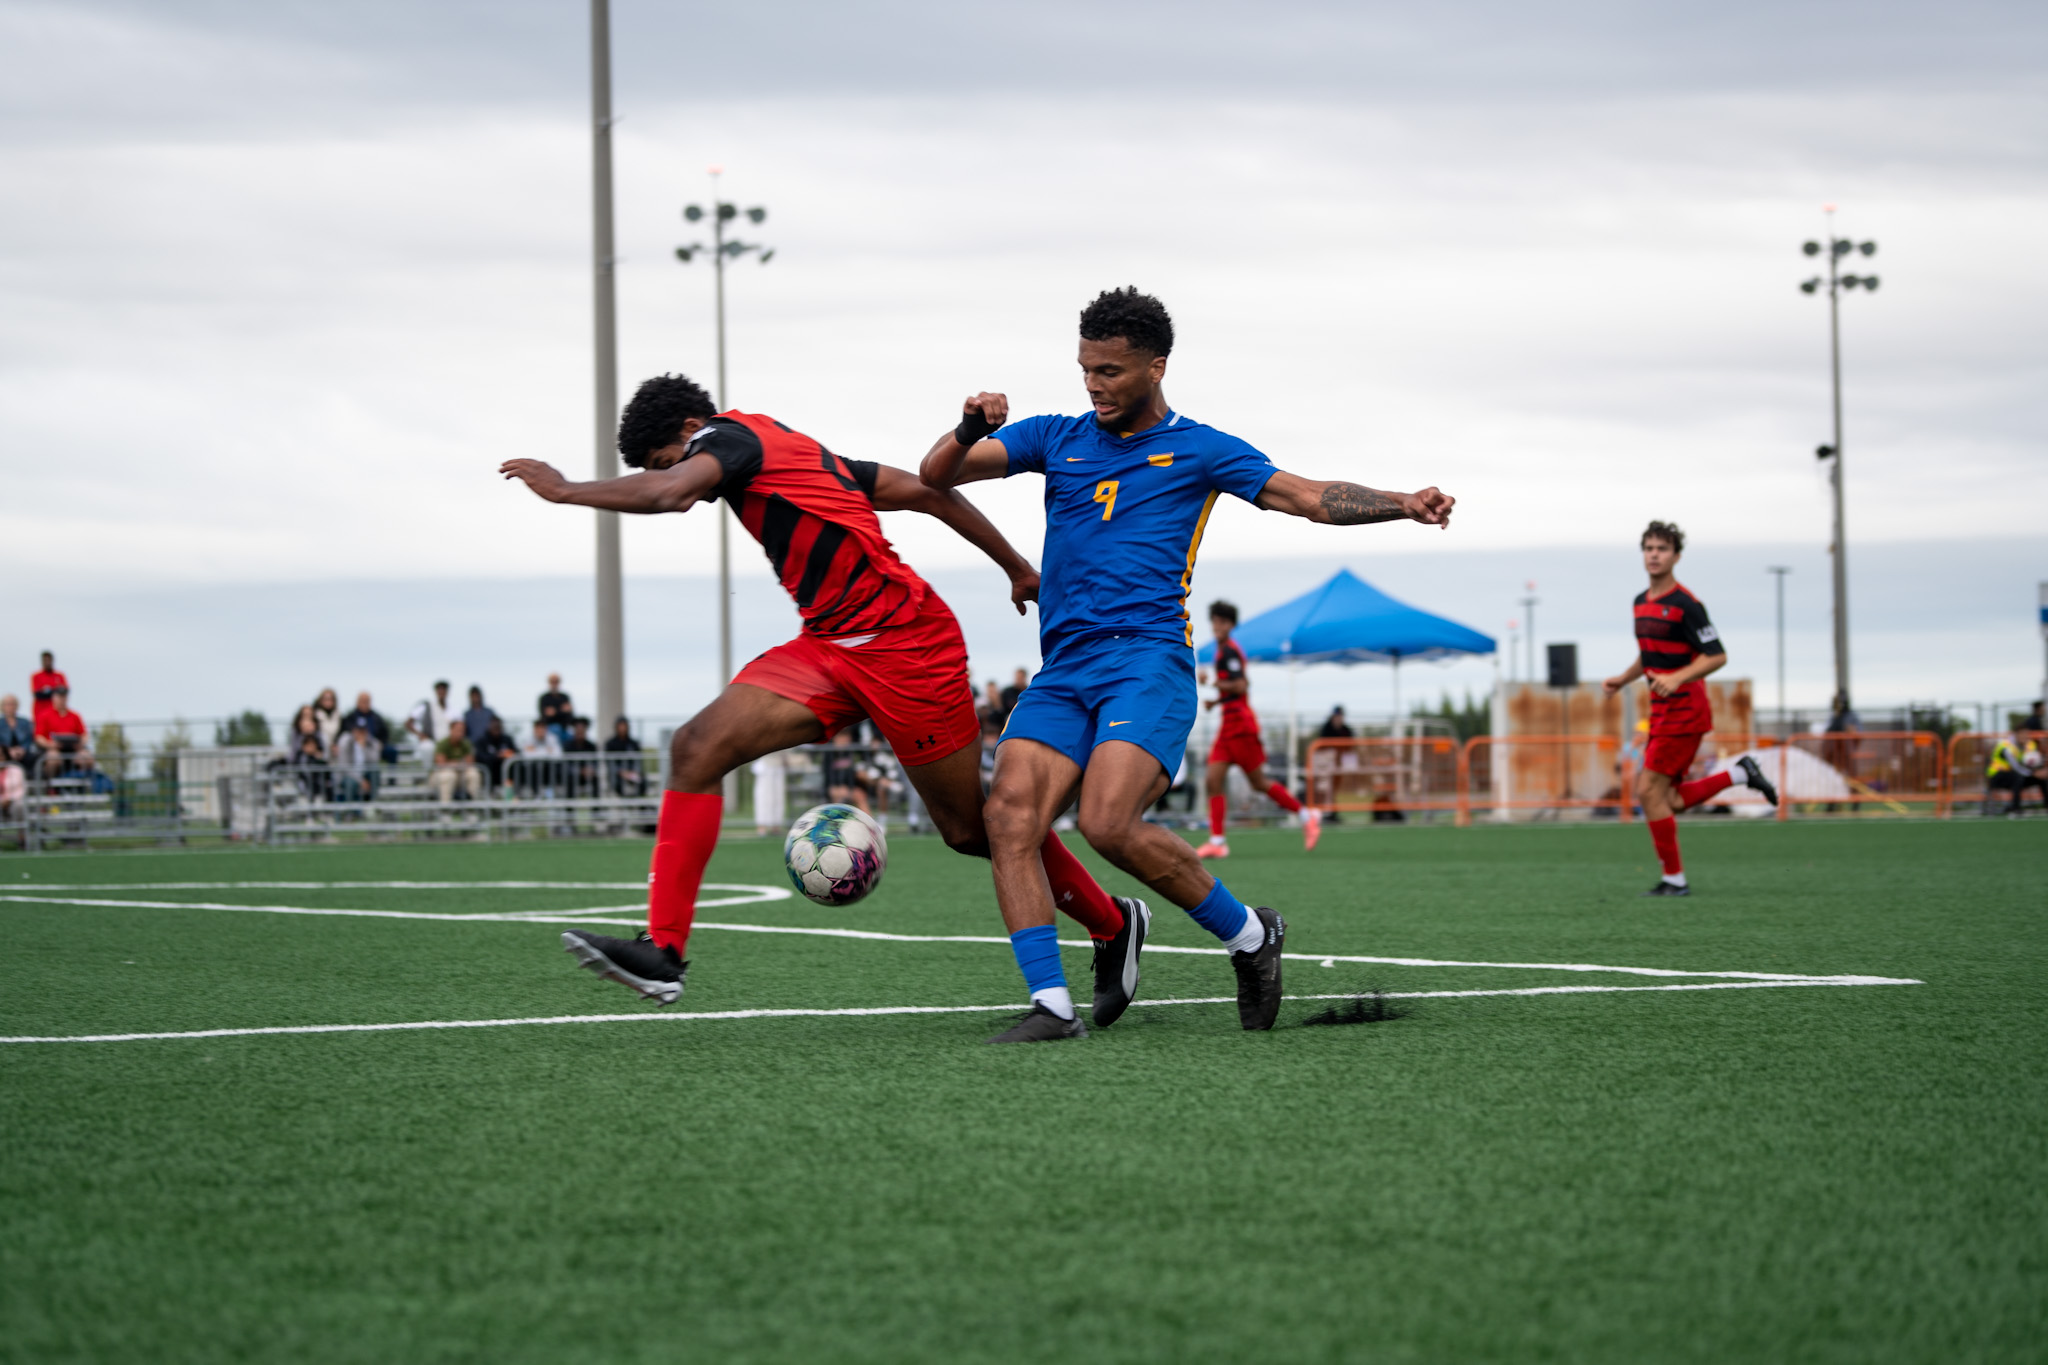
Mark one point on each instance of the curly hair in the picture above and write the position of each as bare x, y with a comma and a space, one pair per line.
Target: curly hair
1138, 318
656, 415
1223, 609
1666, 531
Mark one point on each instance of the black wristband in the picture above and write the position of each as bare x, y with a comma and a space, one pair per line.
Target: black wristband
974, 427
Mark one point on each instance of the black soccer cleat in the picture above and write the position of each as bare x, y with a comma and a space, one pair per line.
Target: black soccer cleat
1041, 1025
1753, 777
1664, 888
1258, 974
655, 972
1116, 962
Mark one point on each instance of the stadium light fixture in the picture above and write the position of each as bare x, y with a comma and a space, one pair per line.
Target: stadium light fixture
721, 250
1838, 549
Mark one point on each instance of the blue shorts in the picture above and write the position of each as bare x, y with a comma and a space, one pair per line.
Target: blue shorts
1105, 687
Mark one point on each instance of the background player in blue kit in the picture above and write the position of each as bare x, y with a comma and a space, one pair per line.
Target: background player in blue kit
1128, 491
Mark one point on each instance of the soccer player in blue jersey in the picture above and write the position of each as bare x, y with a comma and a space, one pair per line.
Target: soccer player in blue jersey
1128, 491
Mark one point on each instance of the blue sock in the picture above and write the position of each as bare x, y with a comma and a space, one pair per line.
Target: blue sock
1221, 913
1038, 957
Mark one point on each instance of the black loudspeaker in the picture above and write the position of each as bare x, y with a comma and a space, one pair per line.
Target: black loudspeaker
1564, 665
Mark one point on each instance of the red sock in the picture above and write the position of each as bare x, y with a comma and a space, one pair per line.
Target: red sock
683, 841
1076, 893
1283, 797
1664, 834
1216, 805
1692, 793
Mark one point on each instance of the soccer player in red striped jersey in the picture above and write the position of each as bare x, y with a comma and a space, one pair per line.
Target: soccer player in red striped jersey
877, 642
1238, 742
1676, 648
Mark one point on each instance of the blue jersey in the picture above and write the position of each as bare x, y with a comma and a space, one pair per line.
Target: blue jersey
1124, 517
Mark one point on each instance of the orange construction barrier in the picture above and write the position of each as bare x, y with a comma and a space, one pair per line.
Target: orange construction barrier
1413, 773
1969, 754
1548, 772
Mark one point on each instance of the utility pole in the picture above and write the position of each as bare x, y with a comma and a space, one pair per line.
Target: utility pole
1779, 572
1836, 249
721, 249
611, 617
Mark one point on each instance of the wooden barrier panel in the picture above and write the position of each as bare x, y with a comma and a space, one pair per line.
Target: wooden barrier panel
1549, 772
1414, 773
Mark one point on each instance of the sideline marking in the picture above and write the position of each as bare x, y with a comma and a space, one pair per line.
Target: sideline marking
1011, 1008
585, 916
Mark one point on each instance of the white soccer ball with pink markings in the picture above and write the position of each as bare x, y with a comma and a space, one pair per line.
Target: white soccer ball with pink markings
835, 854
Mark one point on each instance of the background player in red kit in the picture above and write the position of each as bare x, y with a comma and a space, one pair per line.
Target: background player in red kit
1676, 648
1238, 742
877, 642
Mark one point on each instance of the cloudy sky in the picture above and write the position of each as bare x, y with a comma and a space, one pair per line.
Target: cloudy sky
285, 281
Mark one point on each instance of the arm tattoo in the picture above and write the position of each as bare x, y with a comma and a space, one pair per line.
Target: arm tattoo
1347, 504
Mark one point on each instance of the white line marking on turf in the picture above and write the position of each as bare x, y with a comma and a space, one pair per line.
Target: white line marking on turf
1011, 1008
585, 916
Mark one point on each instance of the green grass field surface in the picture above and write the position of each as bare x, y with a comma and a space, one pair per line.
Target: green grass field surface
1797, 1173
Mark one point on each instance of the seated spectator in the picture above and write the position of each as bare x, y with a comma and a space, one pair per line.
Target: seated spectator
17, 756
17, 735
476, 721
43, 687
539, 774
990, 708
555, 709
455, 767
327, 715
61, 730
582, 776
309, 756
847, 777
380, 730
354, 758
493, 747
2015, 767
1336, 727
622, 756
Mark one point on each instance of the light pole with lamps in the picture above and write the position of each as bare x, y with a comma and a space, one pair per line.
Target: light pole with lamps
721, 250
1836, 249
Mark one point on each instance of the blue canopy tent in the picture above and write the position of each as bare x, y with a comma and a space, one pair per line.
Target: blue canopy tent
1348, 621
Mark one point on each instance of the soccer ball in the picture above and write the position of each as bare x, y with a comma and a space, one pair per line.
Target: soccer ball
835, 854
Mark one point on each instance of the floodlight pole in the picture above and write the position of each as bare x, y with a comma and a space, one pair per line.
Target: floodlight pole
721, 214
611, 623
1779, 572
1836, 249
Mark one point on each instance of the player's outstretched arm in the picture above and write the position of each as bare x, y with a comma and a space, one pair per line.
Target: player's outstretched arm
1623, 678
965, 454
1337, 503
675, 489
898, 490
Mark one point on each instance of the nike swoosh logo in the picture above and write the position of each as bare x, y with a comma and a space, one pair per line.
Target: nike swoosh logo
1075, 459
1113, 724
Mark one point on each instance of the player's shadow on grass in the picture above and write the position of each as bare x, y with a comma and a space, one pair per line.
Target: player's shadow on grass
1371, 1008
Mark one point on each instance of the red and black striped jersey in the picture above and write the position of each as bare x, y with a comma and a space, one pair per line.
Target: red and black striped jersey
814, 514
1671, 631
1238, 716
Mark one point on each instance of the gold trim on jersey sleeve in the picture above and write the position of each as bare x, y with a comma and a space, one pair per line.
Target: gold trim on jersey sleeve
1194, 548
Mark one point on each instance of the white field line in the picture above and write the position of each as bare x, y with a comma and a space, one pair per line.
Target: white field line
585, 917
1011, 1008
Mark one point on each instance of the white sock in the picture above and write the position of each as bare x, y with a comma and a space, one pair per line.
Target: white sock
1250, 938
1057, 999
1675, 878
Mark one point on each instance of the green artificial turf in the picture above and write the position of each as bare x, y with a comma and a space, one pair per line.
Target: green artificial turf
1806, 1173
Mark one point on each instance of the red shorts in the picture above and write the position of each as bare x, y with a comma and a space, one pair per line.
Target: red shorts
910, 680
1671, 755
1241, 748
